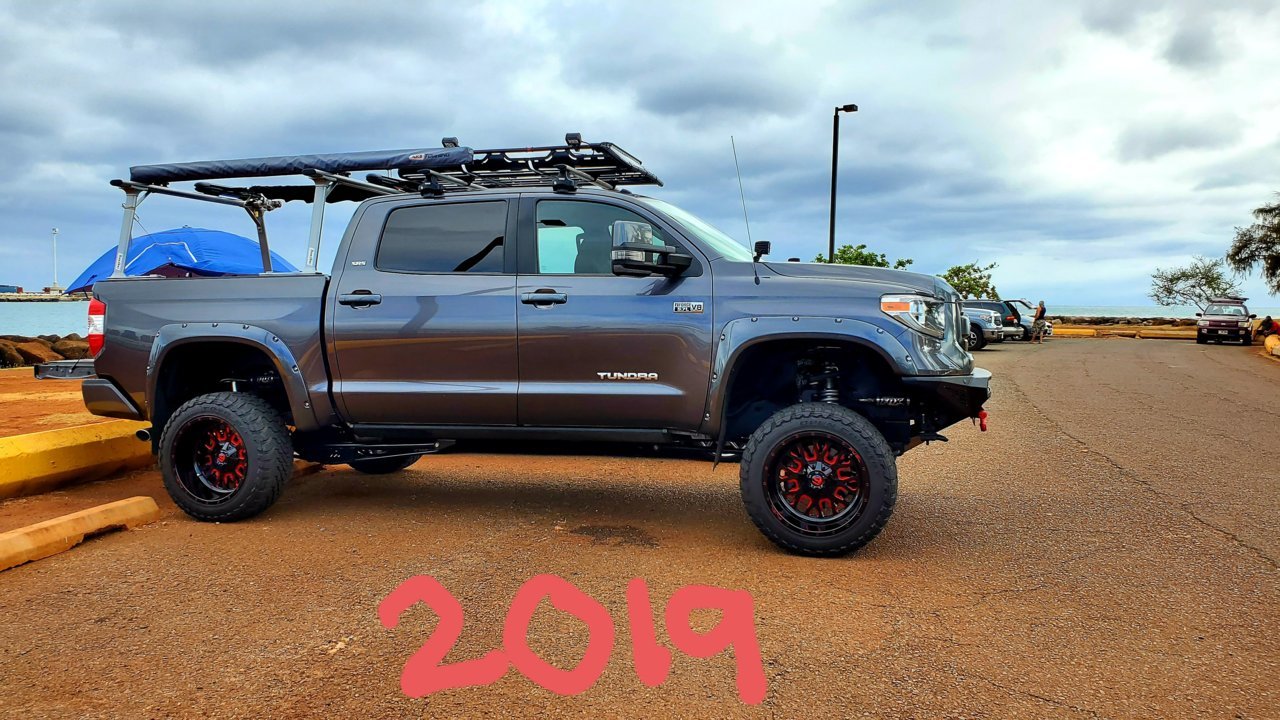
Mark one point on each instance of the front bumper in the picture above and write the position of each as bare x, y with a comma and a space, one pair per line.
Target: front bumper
1237, 332
992, 333
952, 398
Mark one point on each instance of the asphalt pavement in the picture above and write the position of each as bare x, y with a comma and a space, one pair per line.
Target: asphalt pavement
1108, 549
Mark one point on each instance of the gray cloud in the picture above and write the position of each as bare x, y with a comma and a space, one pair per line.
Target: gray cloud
1152, 139
1112, 17
1194, 45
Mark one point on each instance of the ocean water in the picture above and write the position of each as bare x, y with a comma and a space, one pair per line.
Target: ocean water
43, 318
62, 318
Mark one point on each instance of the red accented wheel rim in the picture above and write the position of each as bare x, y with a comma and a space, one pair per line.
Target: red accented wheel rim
210, 459
816, 483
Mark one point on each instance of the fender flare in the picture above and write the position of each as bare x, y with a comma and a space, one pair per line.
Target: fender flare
739, 335
177, 335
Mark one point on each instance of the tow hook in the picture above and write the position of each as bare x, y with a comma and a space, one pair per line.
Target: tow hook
981, 420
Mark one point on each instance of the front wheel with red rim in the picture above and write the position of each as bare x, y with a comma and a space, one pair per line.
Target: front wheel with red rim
818, 479
225, 456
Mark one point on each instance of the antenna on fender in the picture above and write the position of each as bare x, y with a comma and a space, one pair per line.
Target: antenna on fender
757, 248
745, 221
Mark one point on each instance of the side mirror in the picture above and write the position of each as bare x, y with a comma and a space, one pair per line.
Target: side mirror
762, 248
636, 254
1200, 314
1253, 315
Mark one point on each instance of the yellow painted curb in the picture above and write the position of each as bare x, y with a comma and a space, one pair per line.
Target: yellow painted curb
42, 461
1167, 334
1272, 344
1074, 332
50, 537
1127, 332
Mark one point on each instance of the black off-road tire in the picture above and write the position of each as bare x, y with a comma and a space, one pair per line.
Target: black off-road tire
267, 448
854, 430
384, 466
1201, 339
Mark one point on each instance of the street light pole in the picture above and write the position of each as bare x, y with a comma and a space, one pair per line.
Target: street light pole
835, 157
55, 258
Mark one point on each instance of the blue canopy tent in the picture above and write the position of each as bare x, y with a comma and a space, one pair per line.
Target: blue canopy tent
181, 252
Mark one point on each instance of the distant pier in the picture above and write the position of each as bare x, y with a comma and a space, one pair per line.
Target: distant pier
42, 297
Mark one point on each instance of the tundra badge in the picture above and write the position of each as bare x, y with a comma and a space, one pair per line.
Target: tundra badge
627, 375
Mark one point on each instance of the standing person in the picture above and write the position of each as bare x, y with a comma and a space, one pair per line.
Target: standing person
1037, 326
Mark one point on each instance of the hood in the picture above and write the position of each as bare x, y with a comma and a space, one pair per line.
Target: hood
891, 280
1226, 319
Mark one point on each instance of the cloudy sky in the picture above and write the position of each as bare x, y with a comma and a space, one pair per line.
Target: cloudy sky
1078, 144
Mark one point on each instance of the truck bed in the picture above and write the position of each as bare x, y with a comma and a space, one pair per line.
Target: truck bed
286, 308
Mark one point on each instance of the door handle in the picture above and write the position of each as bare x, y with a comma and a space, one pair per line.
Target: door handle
544, 297
359, 298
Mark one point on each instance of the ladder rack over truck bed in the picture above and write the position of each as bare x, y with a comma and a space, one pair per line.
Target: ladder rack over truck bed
418, 169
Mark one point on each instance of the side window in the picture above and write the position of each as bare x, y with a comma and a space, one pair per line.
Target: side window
462, 237
574, 236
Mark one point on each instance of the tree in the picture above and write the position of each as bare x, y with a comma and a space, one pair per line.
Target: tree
1259, 244
972, 280
1193, 284
850, 255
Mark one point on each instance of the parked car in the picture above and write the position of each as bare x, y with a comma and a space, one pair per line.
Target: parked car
516, 294
985, 327
1225, 318
1026, 318
1011, 323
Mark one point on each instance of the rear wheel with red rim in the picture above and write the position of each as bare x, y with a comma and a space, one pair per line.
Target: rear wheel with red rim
225, 456
216, 460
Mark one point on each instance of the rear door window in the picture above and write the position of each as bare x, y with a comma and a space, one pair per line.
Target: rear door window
445, 238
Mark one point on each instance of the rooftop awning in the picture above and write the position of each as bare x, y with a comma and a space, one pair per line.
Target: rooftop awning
412, 159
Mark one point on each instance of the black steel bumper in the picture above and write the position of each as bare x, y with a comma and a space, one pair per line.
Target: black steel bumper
101, 396
954, 397
65, 370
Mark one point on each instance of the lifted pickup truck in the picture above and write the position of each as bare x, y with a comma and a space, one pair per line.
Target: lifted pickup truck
522, 294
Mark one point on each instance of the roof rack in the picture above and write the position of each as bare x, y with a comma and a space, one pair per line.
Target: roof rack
602, 164
432, 172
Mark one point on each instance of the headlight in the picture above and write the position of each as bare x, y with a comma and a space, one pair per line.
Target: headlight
1202, 323
1244, 323
920, 313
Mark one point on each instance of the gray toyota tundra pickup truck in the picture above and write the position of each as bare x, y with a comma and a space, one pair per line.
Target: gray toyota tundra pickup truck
524, 294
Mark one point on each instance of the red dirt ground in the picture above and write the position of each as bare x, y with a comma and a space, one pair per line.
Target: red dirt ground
28, 405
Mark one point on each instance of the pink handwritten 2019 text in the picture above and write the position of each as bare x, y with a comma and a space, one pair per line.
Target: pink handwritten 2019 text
425, 673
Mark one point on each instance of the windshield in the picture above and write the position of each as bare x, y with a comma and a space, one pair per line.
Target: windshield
1216, 309
702, 230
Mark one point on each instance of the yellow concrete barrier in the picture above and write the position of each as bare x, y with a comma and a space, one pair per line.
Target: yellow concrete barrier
1167, 334
50, 537
1074, 332
42, 461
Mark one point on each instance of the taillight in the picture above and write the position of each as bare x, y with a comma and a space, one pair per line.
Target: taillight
97, 325
1011, 319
